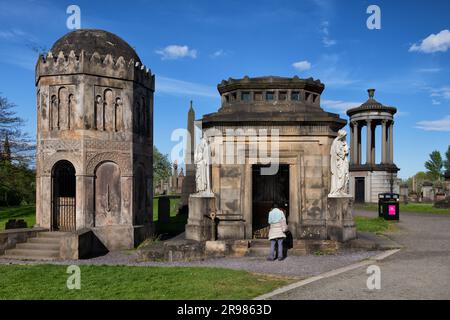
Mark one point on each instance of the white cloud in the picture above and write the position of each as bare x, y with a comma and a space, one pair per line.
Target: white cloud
219, 53
17, 35
180, 87
302, 65
443, 92
173, 52
435, 102
433, 43
429, 70
327, 42
339, 105
442, 125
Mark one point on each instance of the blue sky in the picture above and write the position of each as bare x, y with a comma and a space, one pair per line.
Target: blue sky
192, 45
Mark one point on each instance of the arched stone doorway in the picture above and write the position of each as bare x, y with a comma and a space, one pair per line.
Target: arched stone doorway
63, 198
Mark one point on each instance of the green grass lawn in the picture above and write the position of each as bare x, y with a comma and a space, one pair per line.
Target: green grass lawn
124, 282
28, 213
410, 207
375, 225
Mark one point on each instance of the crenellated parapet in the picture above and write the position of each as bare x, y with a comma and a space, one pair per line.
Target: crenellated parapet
94, 64
94, 138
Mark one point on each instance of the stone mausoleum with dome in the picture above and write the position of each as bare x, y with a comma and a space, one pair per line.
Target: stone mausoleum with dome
94, 139
273, 122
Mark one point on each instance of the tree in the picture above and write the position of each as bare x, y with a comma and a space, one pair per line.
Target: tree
435, 165
161, 166
6, 154
447, 160
17, 180
20, 147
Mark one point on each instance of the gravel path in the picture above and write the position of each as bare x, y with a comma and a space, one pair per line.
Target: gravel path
293, 266
297, 266
421, 270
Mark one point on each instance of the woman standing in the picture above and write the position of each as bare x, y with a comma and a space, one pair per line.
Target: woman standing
278, 227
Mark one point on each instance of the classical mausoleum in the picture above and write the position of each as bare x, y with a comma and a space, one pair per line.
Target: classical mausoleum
94, 139
371, 176
263, 123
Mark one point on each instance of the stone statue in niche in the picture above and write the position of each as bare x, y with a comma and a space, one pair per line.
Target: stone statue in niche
118, 115
108, 109
70, 105
54, 113
339, 166
202, 159
63, 105
98, 112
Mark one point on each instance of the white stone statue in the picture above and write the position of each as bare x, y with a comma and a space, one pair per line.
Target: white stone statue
202, 160
339, 166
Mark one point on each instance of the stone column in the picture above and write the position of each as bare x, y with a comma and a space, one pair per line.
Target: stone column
87, 218
391, 142
352, 133
383, 141
247, 201
358, 143
354, 143
294, 192
127, 190
46, 197
369, 142
373, 144
85, 198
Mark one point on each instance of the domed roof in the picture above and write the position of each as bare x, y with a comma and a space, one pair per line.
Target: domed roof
371, 104
94, 40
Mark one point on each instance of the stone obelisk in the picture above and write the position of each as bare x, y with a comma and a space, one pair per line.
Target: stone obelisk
189, 179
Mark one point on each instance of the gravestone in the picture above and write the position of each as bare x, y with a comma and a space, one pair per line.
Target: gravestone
427, 192
15, 224
163, 209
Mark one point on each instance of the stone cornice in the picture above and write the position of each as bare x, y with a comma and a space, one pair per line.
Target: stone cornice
270, 82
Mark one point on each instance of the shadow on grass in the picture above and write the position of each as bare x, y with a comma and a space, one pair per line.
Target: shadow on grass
171, 228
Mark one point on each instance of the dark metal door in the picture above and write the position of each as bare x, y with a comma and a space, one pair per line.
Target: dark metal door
360, 189
268, 189
64, 213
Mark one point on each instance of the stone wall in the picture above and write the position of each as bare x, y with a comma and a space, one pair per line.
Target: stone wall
308, 160
9, 238
375, 182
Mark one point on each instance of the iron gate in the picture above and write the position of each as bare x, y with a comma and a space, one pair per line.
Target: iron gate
64, 213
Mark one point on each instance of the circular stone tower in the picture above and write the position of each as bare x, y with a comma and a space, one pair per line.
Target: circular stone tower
370, 177
94, 138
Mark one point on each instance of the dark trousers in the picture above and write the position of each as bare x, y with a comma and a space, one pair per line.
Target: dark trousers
273, 242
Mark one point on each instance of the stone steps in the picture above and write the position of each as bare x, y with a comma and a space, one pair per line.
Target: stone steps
43, 247
261, 247
43, 240
31, 254
38, 246
52, 234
